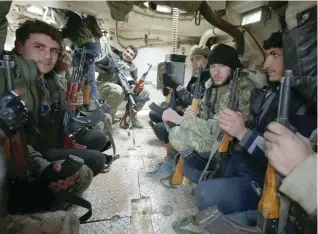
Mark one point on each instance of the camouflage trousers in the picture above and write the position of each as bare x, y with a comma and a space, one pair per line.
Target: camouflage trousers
58, 222
55, 221
184, 140
113, 94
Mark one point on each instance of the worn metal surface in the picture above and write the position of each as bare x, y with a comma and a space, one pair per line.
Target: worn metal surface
119, 226
111, 193
141, 222
149, 143
130, 200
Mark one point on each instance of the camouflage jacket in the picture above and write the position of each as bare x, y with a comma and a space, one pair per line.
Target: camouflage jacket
25, 77
107, 73
206, 125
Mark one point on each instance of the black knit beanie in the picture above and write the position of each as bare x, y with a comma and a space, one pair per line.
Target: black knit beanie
226, 55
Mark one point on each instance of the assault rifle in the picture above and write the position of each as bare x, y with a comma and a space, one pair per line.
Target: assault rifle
123, 82
13, 115
71, 123
214, 222
221, 154
142, 80
15, 147
136, 96
177, 177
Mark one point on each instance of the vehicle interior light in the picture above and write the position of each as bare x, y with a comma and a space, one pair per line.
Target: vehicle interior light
35, 10
252, 17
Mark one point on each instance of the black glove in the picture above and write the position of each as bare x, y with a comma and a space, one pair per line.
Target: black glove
169, 82
13, 113
165, 91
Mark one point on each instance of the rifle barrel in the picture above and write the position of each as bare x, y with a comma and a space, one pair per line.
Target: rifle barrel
284, 97
9, 64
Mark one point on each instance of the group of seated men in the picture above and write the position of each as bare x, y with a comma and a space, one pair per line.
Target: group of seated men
40, 77
235, 188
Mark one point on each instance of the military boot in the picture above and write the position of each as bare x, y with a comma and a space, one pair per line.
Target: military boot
136, 123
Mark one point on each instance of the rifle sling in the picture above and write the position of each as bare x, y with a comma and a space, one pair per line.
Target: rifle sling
214, 149
76, 200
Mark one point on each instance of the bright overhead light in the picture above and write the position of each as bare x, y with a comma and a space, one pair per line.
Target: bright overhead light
35, 10
163, 9
252, 17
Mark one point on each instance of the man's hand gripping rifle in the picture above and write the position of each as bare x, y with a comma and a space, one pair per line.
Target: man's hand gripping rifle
214, 222
137, 91
122, 81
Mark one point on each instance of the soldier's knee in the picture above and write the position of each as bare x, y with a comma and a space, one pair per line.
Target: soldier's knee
83, 181
145, 93
117, 91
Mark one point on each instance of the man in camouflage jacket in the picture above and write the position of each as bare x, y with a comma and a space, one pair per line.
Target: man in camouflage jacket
199, 132
107, 81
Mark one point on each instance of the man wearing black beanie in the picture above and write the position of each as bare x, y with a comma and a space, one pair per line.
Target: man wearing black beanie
196, 135
239, 189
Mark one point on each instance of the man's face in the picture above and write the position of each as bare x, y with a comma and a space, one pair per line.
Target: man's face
274, 64
219, 74
198, 61
42, 49
128, 55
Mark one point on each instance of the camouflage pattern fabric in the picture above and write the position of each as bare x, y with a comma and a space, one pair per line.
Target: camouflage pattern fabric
82, 183
107, 85
108, 73
58, 222
199, 134
113, 94
55, 222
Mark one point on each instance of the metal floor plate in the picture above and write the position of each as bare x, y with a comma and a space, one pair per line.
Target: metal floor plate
120, 226
111, 193
127, 199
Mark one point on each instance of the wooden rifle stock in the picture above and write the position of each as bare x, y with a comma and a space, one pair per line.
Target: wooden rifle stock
15, 148
142, 80
87, 86
269, 205
138, 86
86, 94
225, 144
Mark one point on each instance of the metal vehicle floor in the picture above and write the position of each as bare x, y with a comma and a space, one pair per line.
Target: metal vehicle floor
128, 199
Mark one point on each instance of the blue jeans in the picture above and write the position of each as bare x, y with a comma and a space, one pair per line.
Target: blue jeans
155, 117
245, 218
159, 128
92, 52
231, 193
161, 132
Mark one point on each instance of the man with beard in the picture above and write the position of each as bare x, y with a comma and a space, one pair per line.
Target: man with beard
198, 57
196, 135
107, 81
239, 189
